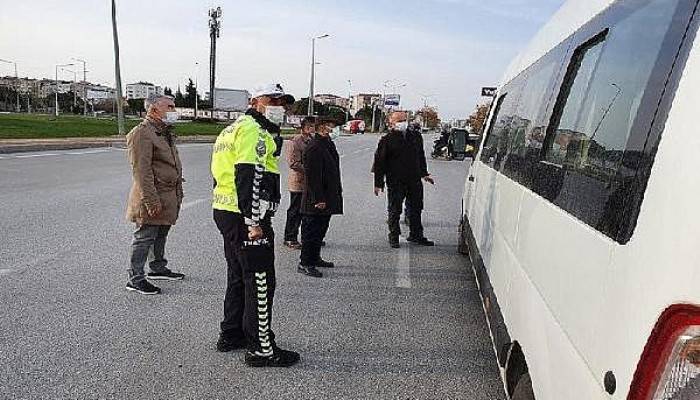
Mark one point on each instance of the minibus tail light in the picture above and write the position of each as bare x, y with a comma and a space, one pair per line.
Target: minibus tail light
669, 368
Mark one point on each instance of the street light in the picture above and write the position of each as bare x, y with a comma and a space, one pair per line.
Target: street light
117, 71
395, 87
84, 83
313, 65
75, 80
16, 81
347, 109
57, 67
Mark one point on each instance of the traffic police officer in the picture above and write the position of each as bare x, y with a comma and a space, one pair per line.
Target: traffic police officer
246, 195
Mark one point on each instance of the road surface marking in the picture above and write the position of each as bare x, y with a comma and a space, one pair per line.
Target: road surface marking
193, 203
37, 155
78, 153
403, 266
5, 271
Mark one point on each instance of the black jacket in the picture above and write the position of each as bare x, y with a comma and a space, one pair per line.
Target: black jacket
323, 185
399, 159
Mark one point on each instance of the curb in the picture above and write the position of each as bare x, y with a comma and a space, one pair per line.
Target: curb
76, 145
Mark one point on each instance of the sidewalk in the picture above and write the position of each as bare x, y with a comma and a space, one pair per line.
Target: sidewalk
27, 145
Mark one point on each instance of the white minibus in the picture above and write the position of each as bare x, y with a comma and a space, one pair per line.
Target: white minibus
581, 210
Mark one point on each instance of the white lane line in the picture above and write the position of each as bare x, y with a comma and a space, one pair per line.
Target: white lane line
5, 271
79, 153
403, 266
193, 203
37, 155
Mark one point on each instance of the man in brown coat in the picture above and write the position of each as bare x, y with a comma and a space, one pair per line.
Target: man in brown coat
296, 181
156, 193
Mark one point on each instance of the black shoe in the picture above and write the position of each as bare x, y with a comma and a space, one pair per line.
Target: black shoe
225, 345
394, 242
309, 270
421, 241
325, 264
166, 276
279, 358
292, 244
143, 287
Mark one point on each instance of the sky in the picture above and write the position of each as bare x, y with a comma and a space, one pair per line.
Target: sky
440, 52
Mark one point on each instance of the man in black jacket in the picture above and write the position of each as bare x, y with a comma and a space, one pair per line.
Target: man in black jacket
322, 198
400, 161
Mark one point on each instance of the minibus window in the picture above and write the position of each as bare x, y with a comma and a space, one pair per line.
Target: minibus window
596, 111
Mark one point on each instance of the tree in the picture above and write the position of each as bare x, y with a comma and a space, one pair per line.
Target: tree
477, 120
337, 113
179, 98
365, 114
136, 105
301, 107
430, 117
191, 95
167, 91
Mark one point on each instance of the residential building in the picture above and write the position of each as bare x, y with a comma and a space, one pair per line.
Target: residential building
362, 100
332, 100
141, 90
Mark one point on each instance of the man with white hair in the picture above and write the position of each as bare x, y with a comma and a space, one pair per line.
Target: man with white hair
246, 195
156, 193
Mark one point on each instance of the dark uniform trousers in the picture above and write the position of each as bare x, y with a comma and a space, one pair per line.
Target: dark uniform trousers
291, 229
412, 193
313, 230
251, 283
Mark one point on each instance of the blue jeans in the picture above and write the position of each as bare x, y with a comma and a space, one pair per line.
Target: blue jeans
149, 242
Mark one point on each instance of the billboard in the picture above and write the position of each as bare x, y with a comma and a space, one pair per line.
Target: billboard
231, 99
392, 100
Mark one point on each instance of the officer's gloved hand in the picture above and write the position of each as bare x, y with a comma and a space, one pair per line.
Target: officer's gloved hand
279, 141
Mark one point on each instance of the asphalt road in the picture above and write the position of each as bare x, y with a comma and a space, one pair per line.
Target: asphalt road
384, 324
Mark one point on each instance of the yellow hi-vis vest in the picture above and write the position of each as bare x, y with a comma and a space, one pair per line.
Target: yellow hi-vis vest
239, 143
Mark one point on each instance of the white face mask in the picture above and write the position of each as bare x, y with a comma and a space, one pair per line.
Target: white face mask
401, 126
275, 114
170, 117
335, 133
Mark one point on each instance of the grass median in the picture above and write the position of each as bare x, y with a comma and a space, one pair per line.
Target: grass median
40, 126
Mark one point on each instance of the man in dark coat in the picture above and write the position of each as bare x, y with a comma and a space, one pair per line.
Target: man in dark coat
400, 163
322, 198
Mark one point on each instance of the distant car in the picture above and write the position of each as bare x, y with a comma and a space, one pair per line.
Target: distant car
356, 126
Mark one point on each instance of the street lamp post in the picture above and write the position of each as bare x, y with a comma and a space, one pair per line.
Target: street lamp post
117, 72
347, 110
313, 65
56, 91
75, 81
16, 82
84, 84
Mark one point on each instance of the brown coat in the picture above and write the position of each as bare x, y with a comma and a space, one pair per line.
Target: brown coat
295, 158
157, 174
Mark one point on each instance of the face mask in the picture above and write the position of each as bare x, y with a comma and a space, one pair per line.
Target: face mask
335, 133
275, 114
401, 126
170, 117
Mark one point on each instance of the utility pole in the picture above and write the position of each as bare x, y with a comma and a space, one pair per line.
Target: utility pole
313, 65
214, 33
117, 72
16, 82
84, 84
